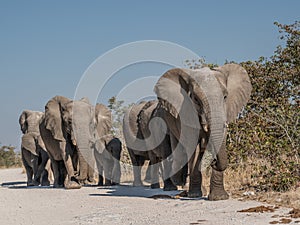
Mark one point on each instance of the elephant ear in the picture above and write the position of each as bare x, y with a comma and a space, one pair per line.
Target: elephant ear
23, 122
143, 118
239, 87
53, 119
103, 119
172, 88
29, 142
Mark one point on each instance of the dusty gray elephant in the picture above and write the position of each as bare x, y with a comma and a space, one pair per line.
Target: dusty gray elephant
136, 128
108, 149
196, 106
108, 162
34, 155
68, 131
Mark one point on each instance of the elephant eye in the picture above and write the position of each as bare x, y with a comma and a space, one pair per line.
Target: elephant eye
225, 97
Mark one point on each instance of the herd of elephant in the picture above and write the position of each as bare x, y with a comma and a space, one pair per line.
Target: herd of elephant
182, 133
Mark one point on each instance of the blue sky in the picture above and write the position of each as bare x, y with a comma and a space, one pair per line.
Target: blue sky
46, 46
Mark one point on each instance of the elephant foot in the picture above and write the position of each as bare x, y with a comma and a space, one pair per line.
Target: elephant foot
57, 185
107, 183
82, 181
72, 185
45, 183
33, 183
155, 186
178, 179
216, 195
195, 194
92, 181
169, 186
137, 183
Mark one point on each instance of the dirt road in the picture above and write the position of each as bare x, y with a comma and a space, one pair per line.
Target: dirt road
117, 205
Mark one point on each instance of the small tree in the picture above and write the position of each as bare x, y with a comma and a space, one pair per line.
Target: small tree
9, 158
118, 110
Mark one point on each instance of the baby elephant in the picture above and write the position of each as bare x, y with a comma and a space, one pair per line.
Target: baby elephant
34, 155
108, 161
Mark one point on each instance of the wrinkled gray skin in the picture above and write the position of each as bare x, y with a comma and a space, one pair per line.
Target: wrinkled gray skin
136, 126
131, 133
217, 102
158, 155
108, 162
34, 155
107, 147
63, 118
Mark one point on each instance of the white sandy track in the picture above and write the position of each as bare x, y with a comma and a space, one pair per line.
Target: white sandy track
114, 205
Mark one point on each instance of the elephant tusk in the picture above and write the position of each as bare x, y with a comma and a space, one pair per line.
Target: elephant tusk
74, 142
205, 127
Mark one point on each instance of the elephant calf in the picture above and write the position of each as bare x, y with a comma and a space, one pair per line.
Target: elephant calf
108, 161
34, 155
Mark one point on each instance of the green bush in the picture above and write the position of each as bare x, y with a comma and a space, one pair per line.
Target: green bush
269, 128
9, 158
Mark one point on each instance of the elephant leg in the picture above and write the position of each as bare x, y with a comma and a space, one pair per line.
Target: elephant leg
154, 165
195, 175
45, 178
91, 175
36, 172
83, 168
75, 161
148, 175
28, 168
217, 191
116, 173
179, 162
168, 184
56, 173
108, 164
29, 173
42, 167
99, 167
70, 181
136, 163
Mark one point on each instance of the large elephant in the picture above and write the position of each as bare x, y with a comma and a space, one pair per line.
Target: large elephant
196, 106
68, 131
34, 155
141, 145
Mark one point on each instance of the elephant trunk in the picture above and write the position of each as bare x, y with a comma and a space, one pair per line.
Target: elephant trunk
212, 101
85, 148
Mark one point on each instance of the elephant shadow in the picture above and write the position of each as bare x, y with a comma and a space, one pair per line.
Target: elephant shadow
14, 183
141, 191
22, 185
